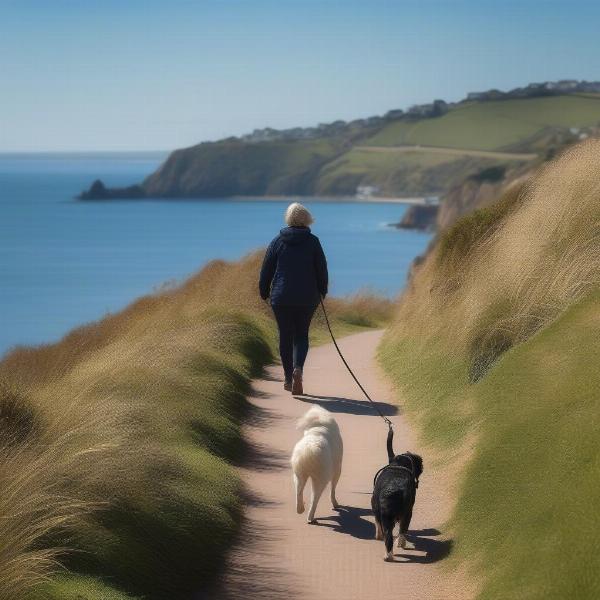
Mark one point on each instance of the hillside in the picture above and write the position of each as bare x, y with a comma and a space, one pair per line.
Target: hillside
426, 150
494, 351
493, 125
233, 167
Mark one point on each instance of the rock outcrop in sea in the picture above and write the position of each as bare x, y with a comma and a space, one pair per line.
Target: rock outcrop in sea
98, 191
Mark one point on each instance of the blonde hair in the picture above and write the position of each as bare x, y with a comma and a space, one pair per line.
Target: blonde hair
297, 215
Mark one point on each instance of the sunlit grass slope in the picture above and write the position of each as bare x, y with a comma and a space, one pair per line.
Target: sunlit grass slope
118, 443
493, 125
496, 346
410, 172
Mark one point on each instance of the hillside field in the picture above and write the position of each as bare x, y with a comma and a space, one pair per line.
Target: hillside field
494, 350
492, 125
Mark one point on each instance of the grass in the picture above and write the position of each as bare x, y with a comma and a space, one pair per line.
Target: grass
456, 242
494, 125
358, 167
404, 173
119, 442
539, 460
493, 348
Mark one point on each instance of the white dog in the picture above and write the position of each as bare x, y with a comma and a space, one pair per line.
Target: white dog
317, 455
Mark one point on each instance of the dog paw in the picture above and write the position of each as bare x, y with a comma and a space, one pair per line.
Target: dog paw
389, 557
311, 521
335, 504
300, 509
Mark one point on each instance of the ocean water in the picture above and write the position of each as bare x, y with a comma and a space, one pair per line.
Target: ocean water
65, 262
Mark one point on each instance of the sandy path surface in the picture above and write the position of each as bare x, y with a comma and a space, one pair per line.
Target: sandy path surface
455, 151
279, 555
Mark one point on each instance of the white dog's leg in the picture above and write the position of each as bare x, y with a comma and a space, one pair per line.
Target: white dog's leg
317, 490
299, 483
334, 482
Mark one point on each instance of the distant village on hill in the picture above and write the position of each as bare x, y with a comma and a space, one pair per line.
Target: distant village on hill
436, 108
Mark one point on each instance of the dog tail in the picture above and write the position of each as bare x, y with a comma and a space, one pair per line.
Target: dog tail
314, 417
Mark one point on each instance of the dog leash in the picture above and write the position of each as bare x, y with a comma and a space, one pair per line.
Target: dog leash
373, 404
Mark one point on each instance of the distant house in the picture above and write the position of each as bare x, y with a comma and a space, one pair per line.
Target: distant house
476, 95
565, 85
365, 192
394, 114
420, 110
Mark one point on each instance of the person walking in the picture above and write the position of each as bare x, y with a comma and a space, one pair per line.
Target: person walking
294, 277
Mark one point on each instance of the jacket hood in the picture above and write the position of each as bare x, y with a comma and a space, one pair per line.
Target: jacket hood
294, 235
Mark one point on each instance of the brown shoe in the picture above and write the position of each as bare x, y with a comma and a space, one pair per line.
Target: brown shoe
297, 382
287, 386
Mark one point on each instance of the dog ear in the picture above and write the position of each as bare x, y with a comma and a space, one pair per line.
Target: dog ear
390, 445
418, 465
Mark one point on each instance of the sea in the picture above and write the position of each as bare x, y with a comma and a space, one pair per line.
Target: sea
65, 262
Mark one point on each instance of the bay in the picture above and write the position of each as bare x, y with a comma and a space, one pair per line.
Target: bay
64, 262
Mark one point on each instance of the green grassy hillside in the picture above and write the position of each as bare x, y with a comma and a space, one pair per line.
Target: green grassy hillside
493, 125
494, 350
533, 125
403, 173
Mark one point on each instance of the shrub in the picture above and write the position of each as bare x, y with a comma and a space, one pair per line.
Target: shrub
490, 174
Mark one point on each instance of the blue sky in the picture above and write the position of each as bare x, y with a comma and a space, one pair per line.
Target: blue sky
146, 75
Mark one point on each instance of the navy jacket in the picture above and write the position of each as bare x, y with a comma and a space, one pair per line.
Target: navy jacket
294, 271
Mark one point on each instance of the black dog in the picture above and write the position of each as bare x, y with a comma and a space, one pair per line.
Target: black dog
394, 491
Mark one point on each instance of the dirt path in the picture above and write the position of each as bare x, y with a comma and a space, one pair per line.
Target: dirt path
456, 151
280, 555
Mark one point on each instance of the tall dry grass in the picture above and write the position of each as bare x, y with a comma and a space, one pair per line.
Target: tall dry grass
489, 288
494, 349
118, 441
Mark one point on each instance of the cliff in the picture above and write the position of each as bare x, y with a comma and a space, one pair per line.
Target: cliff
419, 216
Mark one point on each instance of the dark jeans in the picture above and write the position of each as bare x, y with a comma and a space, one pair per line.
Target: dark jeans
293, 323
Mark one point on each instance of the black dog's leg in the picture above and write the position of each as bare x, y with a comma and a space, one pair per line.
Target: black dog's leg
378, 528
377, 515
404, 525
388, 537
